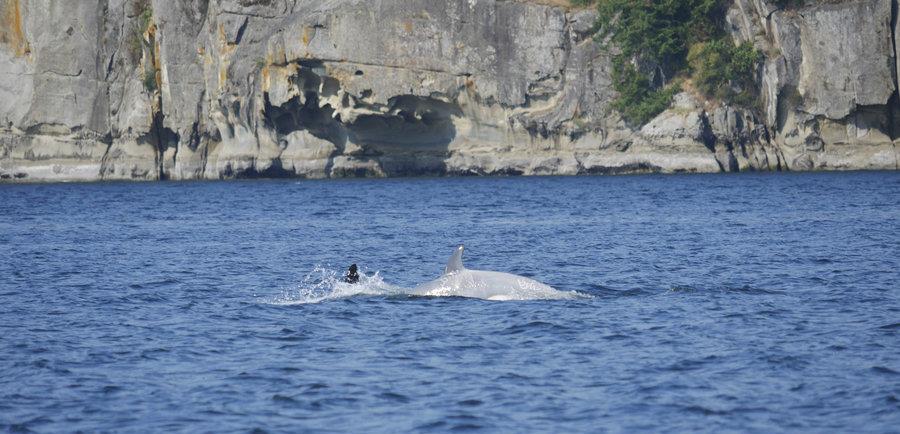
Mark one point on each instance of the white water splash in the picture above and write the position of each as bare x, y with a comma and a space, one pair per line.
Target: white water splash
323, 284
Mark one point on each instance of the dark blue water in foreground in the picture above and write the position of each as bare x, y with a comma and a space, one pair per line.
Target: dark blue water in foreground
762, 303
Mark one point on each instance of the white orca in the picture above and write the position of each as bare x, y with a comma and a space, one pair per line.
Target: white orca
457, 281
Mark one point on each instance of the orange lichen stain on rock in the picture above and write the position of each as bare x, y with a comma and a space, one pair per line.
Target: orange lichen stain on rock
225, 47
151, 36
266, 79
12, 33
305, 36
157, 57
279, 57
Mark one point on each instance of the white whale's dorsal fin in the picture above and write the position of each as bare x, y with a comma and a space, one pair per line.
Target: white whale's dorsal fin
455, 263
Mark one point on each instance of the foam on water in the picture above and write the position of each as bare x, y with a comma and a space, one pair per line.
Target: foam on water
324, 284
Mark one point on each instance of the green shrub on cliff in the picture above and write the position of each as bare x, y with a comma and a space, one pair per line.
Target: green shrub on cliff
638, 101
146, 15
140, 25
149, 79
723, 70
652, 41
135, 46
658, 31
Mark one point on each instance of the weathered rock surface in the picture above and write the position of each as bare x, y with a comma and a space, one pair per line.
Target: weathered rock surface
829, 82
210, 89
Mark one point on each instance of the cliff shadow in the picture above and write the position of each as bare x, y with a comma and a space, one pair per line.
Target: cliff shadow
411, 138
408, 136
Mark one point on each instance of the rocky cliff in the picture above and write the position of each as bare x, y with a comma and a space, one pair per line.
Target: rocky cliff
210, 89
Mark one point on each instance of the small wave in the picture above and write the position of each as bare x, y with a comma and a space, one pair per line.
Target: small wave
531, 326
613, 292
393, 396
283, 399
682, 288
745, 289
884, 370
706, 411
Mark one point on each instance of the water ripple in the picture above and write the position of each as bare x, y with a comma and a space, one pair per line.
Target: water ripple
757, 302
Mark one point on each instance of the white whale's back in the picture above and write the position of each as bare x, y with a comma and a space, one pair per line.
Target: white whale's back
489, 285
458, 281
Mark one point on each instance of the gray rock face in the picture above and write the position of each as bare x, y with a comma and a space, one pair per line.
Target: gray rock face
835, 78
829, 80
211, 89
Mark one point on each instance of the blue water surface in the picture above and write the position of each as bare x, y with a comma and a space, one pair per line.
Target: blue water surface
751, 302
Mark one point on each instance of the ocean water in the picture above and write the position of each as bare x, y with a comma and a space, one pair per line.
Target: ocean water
750, 302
